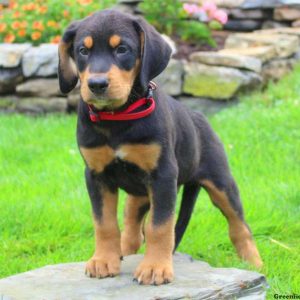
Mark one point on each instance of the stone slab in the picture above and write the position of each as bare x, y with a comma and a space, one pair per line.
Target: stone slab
296, 23
286, 13
254, 14
36, 105
270, 24
220, 83
193, 280
228, 60
41, 61
281, 30
265, 53
41, 87
11, 54
243, 25
263, 4
285, 45
277, 68
170, 80
207, 106
9, 78
7, 103
225, 3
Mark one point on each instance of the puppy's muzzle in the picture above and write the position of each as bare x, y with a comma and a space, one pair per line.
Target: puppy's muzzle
98, 85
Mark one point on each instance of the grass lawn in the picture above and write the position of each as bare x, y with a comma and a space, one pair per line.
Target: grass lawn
45, 211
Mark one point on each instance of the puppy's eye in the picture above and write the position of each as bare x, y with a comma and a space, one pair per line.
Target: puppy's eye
122, 49
83, 51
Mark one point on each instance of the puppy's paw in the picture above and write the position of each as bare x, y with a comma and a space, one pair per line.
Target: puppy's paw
103, 266
155, 273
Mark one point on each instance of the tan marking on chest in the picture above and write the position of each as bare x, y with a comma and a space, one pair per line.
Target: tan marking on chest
97, 158
144, 156
114, 40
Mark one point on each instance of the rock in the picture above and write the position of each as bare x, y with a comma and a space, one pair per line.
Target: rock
296, 23
39, 88
226, 3
216, 82
193, 280
269, 24
252, 81
252, 4
206, 106
227, 60
286, 13
128, 9
7, 103
243, 25
285, 45
9, 78
170, 79
288, 31
296, 56
254, 14
128, 6
41, 61
255, 4
11, 54
277, 68
265, 53
41, 105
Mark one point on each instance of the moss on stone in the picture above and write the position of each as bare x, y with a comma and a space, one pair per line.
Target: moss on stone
6, 103
210, 86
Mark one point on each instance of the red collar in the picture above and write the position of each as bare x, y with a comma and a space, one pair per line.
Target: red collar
128, 113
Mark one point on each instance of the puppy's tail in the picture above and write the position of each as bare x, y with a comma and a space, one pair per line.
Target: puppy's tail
189, 197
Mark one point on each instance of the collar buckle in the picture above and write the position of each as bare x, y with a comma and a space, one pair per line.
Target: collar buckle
152, 86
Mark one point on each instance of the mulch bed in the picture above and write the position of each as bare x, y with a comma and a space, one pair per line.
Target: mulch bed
184, 49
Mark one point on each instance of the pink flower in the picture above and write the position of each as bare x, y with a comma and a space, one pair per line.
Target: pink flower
191, 9
220, 16
209, 7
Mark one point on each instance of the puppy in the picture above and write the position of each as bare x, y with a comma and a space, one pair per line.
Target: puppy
134, 137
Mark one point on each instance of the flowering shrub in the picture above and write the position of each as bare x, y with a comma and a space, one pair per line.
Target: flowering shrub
43, 21
208, 13
173, 17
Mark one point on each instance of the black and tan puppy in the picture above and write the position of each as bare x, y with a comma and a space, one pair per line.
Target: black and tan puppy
115, 56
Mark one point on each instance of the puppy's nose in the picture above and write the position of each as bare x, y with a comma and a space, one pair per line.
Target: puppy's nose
98, 85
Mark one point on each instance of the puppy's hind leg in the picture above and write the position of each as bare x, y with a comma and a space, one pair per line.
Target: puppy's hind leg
215, 176
226, 198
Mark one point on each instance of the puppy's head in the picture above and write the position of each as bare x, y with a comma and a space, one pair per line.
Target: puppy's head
112, 54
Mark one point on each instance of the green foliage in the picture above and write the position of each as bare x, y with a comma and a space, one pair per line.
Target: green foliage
168, 17
39, 21
195, 31
164, 15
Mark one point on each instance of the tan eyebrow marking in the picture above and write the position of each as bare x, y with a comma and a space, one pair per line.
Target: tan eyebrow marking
114, 40
88, 42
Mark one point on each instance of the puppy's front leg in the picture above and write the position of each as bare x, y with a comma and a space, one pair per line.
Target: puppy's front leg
106, 259
157, 265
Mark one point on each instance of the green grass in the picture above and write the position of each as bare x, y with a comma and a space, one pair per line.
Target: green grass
45, 211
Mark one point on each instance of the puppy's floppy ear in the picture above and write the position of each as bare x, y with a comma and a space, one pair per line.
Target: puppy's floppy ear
67, 71
155, 52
